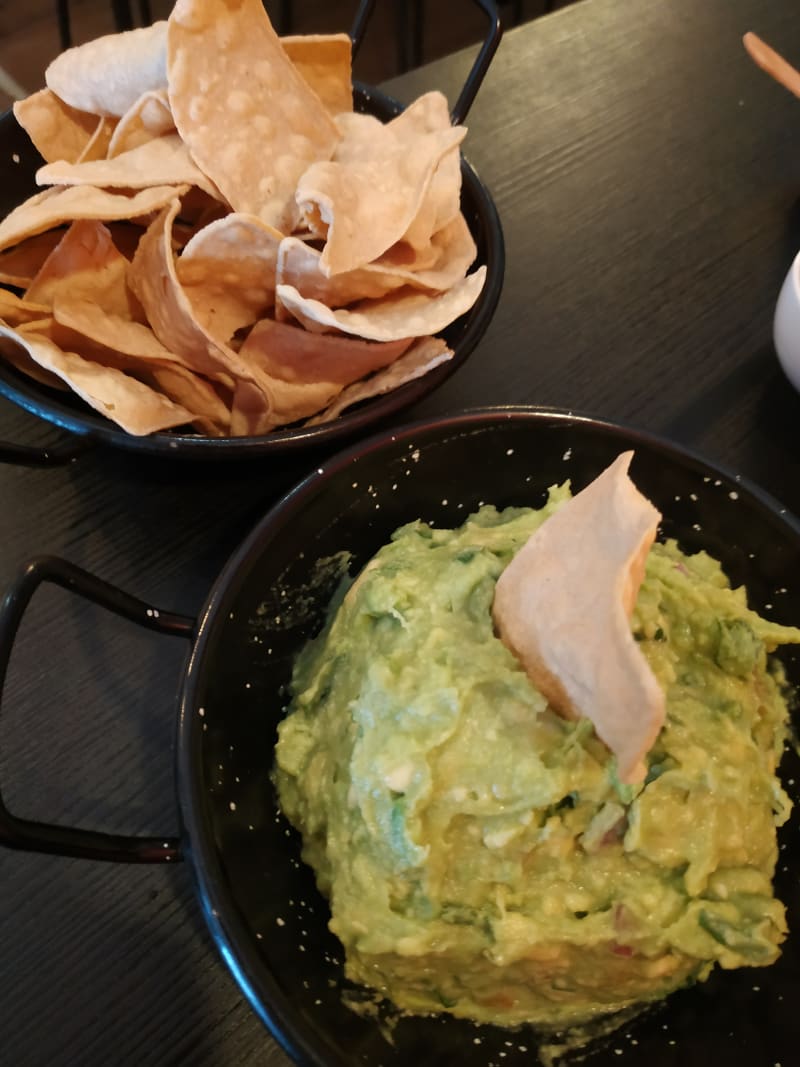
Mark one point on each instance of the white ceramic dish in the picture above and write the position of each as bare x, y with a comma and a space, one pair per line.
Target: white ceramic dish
786, 326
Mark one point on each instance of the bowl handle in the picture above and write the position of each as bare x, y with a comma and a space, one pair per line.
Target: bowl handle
478, 70
62, 840
58, 455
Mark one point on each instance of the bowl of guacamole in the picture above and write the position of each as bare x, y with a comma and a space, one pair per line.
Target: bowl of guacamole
467, 882
480, 855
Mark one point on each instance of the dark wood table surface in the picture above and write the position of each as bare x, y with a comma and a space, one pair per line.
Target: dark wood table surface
648, 178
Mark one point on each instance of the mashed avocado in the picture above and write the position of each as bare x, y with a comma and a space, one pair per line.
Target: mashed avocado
479, 852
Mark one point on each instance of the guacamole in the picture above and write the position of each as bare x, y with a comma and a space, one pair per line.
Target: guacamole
480, 855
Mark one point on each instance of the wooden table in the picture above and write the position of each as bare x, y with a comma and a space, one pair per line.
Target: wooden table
648, 177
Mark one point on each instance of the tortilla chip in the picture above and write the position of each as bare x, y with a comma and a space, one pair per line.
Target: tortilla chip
299, 266
105, 338
132, 405
108, 75
402, 256
110, 338
100, 140
162, 161
227, 271
238, 102
57, 130
441, 203
42, 326
14, 310
429, 114
19, 265
148, 118
371, 193
563, 606
86, 265
52, 207
288, 402
403, 313
210, 414
295, 355
425, 354
302, 372
250, 411
357, 132
154, 279
325, 62
17, 355
456, 253
442, 200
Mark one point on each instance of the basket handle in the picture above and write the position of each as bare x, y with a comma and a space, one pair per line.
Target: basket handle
62, 840
478, 70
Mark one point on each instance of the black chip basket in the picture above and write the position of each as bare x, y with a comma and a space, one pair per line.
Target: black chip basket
20, 160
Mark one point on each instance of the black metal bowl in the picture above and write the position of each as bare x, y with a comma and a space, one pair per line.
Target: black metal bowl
259, 901
19, 161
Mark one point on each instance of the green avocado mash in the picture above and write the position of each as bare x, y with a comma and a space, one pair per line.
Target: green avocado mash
480, 855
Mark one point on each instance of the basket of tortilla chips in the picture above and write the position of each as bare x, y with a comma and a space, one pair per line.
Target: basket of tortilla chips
233, 249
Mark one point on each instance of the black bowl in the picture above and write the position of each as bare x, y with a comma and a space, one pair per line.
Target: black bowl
260, 901
20, 161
